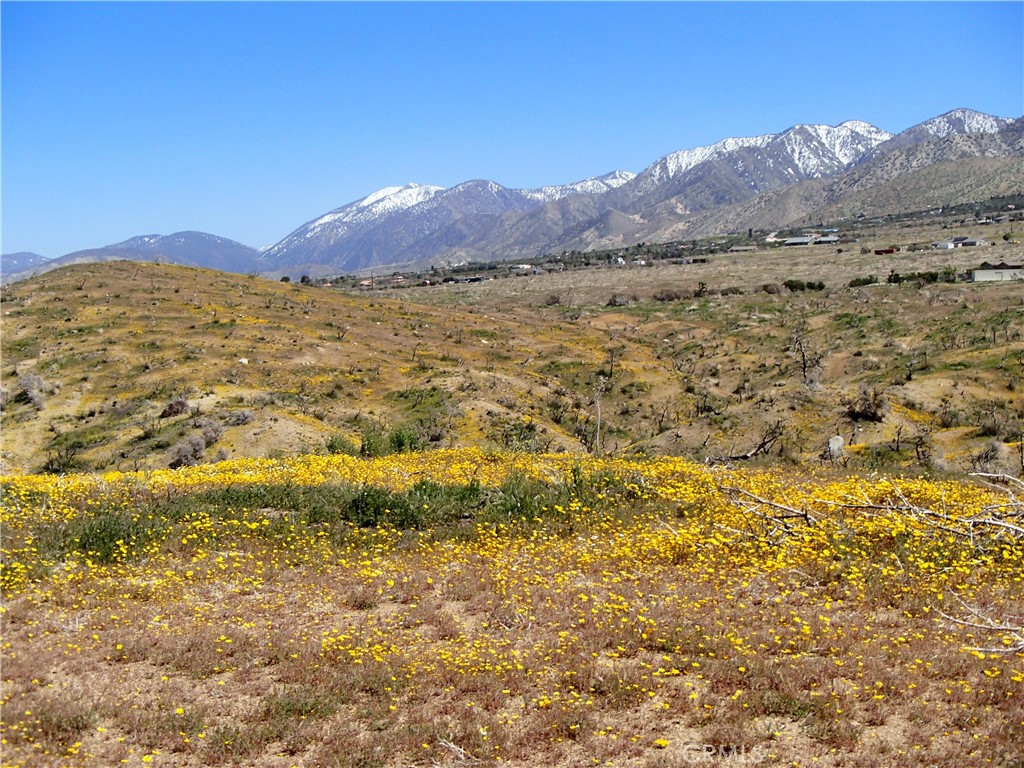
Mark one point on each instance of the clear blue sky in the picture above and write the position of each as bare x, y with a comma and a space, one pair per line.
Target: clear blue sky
246, 120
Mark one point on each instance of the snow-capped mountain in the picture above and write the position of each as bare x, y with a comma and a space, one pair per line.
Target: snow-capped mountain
594, 186
398, 223
484, 220
801, 152
315, 237
692, 192
938, 171
376, 206
953, 123
963, 121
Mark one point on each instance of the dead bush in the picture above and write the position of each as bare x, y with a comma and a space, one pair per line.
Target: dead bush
211, 431
187, 452
174, 408
669, 294
32, 390
868, 405
238, 418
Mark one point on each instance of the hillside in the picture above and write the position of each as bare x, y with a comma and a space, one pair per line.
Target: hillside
565, 595
127, 365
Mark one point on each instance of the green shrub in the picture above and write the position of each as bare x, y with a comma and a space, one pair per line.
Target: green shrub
105, 537
859, 282
404, 439
401, 439
341, 444
373, 441
377, 506
438, 504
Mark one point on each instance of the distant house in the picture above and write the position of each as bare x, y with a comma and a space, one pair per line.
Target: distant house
742, 248
997, 272
798, 241
827, 240
961, 242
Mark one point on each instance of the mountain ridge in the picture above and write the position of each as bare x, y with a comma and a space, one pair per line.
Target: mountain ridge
676, 187
186, 248
20, 261
694, 192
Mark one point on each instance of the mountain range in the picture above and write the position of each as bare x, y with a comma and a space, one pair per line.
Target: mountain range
806, 173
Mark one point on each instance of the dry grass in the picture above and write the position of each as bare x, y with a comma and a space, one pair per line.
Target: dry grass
525, 608
629, 613
268, 369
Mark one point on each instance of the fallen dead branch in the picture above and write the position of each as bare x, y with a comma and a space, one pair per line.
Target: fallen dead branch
1012, 632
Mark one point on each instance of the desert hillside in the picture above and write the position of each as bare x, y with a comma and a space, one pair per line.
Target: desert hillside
524, 564
761, 355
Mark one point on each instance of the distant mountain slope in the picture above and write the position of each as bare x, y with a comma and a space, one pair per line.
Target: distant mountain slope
765, 181
194, 249
947, 170
11, 263
415, 221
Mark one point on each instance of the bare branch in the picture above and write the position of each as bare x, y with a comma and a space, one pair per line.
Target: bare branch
995, 480
988, 624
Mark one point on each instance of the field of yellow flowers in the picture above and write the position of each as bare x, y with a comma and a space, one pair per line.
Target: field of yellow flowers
460, 607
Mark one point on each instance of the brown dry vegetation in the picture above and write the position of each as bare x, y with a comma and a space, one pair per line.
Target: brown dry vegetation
531, 363
453, 607
512, 609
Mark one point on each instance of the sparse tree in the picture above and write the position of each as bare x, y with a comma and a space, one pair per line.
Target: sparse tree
810, 359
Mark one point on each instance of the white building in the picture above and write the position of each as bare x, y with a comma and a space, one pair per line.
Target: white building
997, 272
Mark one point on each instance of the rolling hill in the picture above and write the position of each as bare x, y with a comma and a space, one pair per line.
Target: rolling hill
126, 364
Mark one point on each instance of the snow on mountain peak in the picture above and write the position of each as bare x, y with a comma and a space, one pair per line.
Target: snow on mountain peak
376, 205
592, 186
963, 121
680, 162
367, 210
394, 198
813, 149
380, 194
843, 144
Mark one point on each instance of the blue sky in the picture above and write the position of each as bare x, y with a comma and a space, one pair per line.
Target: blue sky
247, 119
